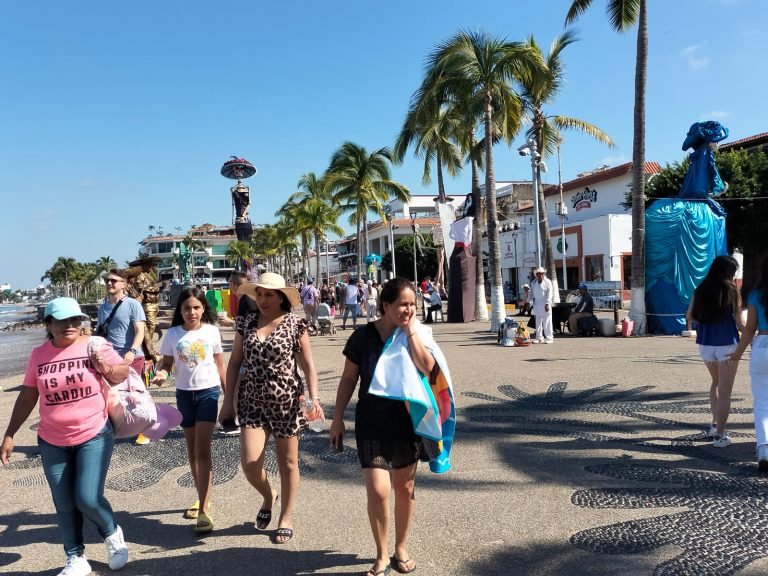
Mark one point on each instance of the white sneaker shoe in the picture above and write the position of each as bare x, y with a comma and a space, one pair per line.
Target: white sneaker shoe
117, 551
76, 566
762, 458
722, 441
712, 431
549, 341
535, 341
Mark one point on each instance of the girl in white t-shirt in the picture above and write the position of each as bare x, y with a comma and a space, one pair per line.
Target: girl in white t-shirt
193, 346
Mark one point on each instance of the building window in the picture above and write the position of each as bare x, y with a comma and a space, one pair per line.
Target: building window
594, 268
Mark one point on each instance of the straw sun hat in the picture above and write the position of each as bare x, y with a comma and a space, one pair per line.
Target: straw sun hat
270, 281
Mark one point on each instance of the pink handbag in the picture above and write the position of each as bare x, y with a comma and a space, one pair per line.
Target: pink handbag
129, 405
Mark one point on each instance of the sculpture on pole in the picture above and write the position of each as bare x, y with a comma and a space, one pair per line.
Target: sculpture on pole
237, 169
684, 234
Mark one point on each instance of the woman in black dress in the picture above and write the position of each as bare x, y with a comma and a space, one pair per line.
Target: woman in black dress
383, 429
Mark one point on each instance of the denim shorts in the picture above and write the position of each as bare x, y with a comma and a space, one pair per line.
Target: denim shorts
198, 405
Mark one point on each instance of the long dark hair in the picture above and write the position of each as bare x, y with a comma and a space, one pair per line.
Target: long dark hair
186, 294
713, 299
392, 290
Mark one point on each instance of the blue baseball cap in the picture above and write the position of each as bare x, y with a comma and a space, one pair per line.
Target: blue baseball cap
63, 308
583, 286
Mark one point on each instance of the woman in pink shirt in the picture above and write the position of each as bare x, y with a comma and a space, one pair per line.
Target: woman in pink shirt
74, 434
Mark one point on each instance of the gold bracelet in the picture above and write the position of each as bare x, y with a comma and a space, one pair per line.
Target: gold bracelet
411, 334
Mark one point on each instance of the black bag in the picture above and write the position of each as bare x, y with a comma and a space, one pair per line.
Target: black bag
588, 326
103, 329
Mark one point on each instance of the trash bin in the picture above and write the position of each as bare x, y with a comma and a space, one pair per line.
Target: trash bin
626, 327
606, 327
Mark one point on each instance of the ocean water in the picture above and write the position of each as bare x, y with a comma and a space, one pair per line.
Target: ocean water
15, 346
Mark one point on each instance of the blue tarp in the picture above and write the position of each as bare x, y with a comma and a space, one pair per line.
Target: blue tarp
682, 238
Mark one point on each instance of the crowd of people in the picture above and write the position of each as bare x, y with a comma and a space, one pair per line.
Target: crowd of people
270, 388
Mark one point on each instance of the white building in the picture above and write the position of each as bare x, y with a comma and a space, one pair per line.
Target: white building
598, 231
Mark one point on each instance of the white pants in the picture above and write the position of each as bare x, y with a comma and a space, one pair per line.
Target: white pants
758, 373
370, 306
543, 323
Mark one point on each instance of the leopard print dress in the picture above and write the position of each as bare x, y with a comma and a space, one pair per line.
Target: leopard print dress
270, 385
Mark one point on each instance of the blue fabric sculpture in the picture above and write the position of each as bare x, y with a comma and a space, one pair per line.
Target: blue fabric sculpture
684, 234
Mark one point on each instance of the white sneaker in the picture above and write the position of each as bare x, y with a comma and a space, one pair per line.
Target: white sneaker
712, 431
722, 441
535, 341
762, 458
76, 566
117, 551
549, 341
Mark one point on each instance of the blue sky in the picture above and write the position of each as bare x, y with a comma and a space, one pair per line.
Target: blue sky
116, 116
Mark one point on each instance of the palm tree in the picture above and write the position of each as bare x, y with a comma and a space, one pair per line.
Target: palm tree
240, 252
62, 273
538, 90
321, 218
295, 225
623, 14
361, 182
430, 128
485, 66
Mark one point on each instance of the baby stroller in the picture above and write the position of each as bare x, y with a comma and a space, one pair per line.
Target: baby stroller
325, 319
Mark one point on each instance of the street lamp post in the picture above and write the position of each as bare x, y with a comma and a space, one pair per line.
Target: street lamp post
327, 269
391, 235
529, 149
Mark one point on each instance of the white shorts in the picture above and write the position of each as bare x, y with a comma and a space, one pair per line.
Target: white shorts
716, 353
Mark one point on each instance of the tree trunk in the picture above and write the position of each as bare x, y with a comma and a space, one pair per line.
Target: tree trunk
498, 311
481, 308
546, 240
318, 276
637, 308
440, 250
358, 250
365, 240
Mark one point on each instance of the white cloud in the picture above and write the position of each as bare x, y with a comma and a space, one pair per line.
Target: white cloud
691, 54
614, 160
716, 115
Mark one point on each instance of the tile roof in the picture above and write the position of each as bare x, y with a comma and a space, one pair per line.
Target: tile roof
601, 176
748, 142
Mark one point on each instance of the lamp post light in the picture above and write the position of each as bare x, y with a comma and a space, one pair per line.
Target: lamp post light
529, 149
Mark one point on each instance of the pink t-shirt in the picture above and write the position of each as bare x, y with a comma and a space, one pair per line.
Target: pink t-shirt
72, 405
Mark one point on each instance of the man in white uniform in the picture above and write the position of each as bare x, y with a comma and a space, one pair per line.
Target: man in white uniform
542, 292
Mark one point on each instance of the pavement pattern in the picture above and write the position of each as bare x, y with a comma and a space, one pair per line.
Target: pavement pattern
584, 457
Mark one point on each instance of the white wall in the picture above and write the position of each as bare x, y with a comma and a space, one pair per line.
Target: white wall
603, 198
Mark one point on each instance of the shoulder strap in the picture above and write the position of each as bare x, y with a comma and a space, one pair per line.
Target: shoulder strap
112, 314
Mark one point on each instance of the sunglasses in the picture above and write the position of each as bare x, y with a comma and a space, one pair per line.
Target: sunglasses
114, 280
73, 321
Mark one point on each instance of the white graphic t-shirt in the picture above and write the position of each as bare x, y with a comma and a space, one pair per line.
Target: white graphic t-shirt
192, 353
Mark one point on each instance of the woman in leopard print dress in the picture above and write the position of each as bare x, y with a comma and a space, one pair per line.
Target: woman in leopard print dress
270, 344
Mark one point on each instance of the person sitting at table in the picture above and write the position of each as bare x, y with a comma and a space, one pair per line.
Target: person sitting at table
525, 301
584, 309
435, 303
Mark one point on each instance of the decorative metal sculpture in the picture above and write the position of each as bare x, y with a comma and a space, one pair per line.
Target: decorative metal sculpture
143, 286
237, 169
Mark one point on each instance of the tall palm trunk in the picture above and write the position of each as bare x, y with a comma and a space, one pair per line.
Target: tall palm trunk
318, 276
441, 199
549, 257
481, 309
494, 255
637, 309
365, 238
359, 251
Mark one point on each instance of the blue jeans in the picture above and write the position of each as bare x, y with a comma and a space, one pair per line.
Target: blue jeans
347, 309
76, 475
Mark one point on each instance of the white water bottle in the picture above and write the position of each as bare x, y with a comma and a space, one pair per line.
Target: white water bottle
312, 414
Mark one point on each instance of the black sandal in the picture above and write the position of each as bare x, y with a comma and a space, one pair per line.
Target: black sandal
263, 518
287, 533
395, 563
